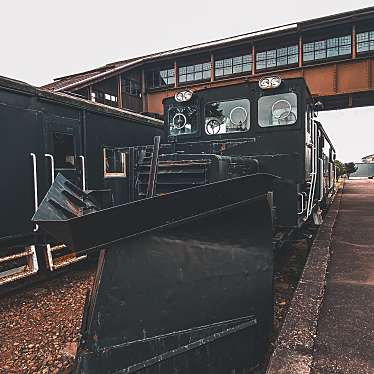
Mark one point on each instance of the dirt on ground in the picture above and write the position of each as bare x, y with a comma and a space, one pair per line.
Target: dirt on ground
39, 326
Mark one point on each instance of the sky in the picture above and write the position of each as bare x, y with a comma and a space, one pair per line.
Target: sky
45, 39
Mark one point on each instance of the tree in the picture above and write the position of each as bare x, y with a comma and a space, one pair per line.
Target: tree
340, 169
350, 167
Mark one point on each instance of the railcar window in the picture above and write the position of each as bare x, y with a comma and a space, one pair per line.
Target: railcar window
324, 49
233, 65
64, 154
365, 41
277, 110
182, 119
195, 72
222, 117
114, 163
277, 57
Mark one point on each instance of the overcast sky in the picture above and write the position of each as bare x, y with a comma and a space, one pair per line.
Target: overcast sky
45, 39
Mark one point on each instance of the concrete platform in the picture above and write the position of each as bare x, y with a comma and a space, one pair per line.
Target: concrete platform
329, 327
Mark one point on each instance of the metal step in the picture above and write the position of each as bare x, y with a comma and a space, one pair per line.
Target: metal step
18, 272
55, 263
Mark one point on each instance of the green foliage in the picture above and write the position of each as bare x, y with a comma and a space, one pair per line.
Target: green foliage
340, 169
350, 167
346, 168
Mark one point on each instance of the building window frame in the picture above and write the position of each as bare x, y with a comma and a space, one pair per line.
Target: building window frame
276, 58
233, 65
160, 78
365, 42
327, 49
194, 72
132, 87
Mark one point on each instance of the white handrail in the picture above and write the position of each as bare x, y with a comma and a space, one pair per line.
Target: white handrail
83, 173
35, 186
52, 166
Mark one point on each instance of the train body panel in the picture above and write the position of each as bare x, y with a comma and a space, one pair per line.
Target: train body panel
43, 134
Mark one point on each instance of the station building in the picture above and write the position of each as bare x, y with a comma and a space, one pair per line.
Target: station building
335, 55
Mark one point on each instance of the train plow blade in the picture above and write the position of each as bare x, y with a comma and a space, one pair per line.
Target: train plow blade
184, 280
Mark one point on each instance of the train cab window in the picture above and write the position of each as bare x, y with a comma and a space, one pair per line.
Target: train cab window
64, 154
222, 117
182, 119
277, 110
114, 163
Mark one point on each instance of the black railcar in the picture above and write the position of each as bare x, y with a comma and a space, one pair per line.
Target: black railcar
43, 134
221, 133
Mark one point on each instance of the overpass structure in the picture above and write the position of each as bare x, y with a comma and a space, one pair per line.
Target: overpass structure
335, 55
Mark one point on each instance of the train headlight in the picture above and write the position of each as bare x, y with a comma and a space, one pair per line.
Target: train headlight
183, 96
267, 83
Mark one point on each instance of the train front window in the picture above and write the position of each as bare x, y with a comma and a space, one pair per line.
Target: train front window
277, 110
182, 119
222, 117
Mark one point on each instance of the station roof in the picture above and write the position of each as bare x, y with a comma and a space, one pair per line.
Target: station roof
74, 81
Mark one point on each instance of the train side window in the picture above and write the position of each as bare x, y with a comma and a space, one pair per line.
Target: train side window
64, 153
277, 110
222, 117
182, 119
114, 163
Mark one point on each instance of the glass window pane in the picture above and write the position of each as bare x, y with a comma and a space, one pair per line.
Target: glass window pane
247, 58
320, 54
227, 62
237, 60
247, 67
182, 78
363, 47
206, 74
331, 52
271, 54
371, 45
222, 117
345, 50
199, 67
199, 75
219, 72
293, 59
277, 110
260, 56
190, 69
219, 64
190, 77
308, 47
227, 70
182, 70
334, 42
282, 52
237, 69
206, 66
293, 50
320, 45
282, 60
261, 65
308, 56
363, 36
271, 63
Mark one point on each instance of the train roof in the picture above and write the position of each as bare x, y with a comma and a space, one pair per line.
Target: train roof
9, 84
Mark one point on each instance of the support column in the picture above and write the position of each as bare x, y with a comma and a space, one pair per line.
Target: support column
300, 51
353, 41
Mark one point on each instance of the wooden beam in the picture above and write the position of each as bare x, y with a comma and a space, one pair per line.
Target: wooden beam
176, 82
119, 91
212, 70
300, 51
253, 59
144, 94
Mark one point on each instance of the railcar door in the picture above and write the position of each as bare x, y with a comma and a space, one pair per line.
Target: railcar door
63, 149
